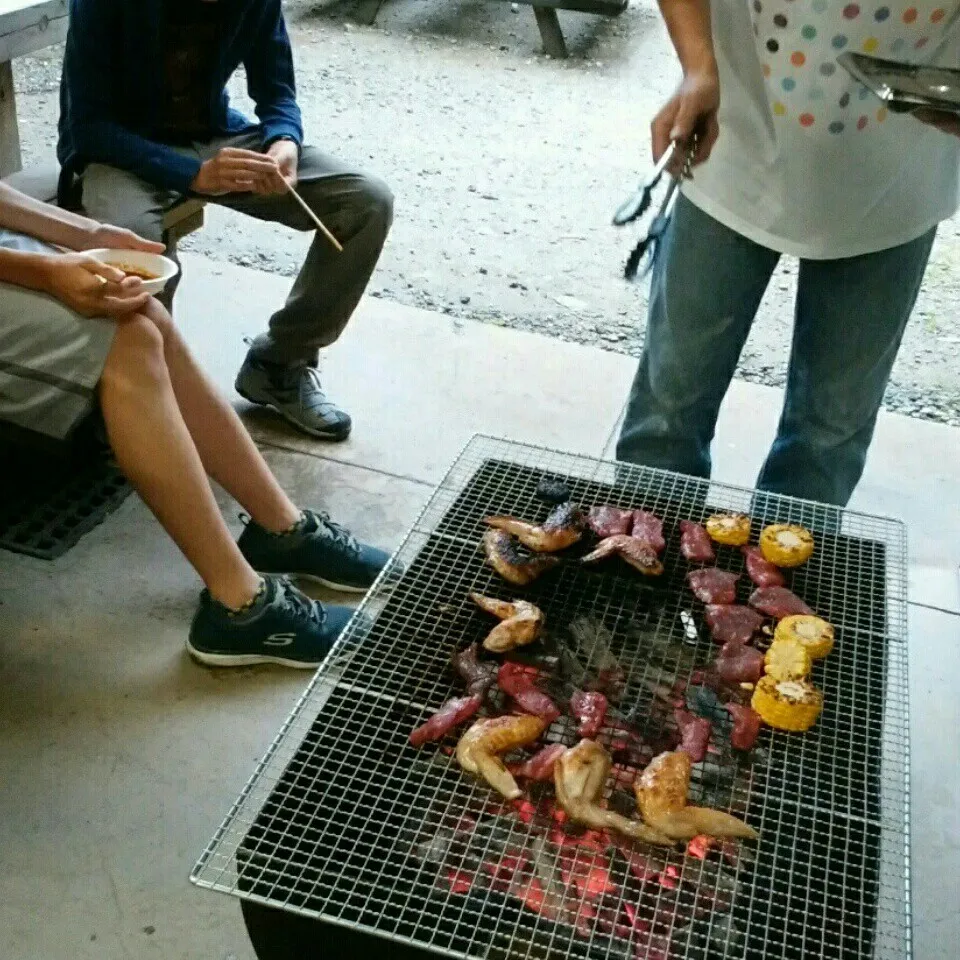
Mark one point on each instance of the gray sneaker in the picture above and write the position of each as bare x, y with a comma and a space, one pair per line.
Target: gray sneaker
296, 394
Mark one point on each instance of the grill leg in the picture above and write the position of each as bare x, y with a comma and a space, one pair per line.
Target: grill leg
553, 43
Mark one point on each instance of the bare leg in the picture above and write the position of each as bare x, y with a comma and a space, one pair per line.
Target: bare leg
228, 453
154, 449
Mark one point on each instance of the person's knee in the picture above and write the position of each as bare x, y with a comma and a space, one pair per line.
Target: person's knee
136, 361
378, 199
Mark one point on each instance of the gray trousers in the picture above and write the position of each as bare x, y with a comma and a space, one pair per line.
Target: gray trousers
357, 208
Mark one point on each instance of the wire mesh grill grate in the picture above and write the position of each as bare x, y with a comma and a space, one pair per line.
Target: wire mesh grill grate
344, 821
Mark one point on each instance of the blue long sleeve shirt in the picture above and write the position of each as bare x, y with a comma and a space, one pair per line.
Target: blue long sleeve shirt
113, 82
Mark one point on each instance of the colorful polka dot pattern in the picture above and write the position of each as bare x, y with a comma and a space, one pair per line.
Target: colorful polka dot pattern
800, 40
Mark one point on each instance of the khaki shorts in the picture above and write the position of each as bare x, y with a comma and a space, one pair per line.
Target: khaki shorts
51, 358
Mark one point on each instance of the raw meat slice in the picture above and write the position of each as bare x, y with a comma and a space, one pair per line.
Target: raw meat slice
607, 521
760, 570
737, 663
778, 602
746, 726
694, 734
649, 528
732, 623
695, 543
450, 715
712, 585
591, 710
540, 765
515, 680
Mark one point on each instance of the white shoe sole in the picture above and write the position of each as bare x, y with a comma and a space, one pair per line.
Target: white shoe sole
329, 584
246, 660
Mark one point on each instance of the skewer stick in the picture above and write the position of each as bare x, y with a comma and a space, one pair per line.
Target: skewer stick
320, 224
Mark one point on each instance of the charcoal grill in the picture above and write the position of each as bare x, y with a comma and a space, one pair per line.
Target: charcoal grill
344, 822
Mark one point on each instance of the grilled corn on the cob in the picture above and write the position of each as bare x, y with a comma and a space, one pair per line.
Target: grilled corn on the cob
786, 544
732, 529
787, 704
787, 660
815, 634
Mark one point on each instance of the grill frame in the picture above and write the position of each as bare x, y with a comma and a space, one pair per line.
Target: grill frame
508, 932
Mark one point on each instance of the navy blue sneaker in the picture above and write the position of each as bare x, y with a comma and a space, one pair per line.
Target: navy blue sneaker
317, 549
281, 626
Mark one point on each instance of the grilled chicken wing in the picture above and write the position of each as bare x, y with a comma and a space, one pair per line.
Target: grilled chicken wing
562, 529
522, 623
513, 563
479, 749
579, 777
661, 793
638, 553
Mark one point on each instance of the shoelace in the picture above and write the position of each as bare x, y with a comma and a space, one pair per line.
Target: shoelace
333, 530
297, 603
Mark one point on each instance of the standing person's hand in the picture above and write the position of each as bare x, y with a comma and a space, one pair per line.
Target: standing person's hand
91, 288
943, 121
287, 155
693, 107
234, 170
103, 236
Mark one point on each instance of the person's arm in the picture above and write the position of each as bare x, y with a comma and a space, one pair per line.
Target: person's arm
695, 103
61, 228
85, 285
270, 78
98, 137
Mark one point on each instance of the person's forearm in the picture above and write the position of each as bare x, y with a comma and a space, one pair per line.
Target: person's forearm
31, 270
23, 214
688, 23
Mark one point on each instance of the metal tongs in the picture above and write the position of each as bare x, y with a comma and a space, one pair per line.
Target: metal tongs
634, 208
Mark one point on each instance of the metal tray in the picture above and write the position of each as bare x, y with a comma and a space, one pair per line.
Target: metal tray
905, 87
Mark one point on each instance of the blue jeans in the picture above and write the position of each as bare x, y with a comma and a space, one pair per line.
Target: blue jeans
849, 320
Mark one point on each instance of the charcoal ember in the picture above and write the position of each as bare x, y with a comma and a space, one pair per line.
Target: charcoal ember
552, 491
778, 602
710, 585
704, 702
695, 733
459, 882
643, 865
588, 875
760, 570
623, 803
732, 623
592, 649
608, 521
737, 663
649, 528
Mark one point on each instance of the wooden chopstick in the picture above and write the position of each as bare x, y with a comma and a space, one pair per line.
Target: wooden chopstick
320, 224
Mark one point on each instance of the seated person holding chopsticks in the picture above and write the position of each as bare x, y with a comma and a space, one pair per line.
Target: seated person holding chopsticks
76, 333
145, 119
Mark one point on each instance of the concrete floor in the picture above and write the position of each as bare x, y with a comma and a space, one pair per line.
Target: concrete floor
120, 755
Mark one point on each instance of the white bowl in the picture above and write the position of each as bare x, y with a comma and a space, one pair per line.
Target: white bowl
162, 268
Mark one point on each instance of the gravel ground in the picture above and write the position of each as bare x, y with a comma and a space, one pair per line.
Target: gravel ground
507, 166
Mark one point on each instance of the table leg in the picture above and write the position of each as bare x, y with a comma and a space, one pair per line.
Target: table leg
10, 161
550, 32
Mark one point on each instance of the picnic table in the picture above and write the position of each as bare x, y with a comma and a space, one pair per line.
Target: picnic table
25, 27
